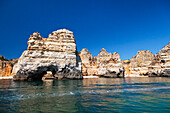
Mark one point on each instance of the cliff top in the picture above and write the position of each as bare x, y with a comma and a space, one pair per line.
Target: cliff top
2, 58
144, 51
37, 36
63, 31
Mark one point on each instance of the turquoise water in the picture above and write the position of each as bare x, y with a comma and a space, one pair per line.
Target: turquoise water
88, 95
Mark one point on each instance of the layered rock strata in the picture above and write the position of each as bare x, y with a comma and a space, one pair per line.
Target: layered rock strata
6, 66
139, 64
160, 66
148, 64
55, 53
88, 64
104, 65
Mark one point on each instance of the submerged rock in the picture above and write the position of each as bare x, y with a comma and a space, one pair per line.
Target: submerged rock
47, 54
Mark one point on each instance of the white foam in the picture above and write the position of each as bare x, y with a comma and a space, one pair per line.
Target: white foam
41, 95
10, 77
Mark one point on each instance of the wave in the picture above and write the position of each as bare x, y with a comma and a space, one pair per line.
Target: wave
41, 95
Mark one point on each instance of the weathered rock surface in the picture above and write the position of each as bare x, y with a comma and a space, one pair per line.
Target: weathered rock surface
6, 66
69, 73
139, 64
160, 66
47, 54
87, 63
145, 63
126, 64
104, 65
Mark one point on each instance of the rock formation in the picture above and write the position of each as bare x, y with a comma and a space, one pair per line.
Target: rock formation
139, 64
6, 66
126, 64
55, 53
160, 66
104, 65
145, 63
87, 63
57, 57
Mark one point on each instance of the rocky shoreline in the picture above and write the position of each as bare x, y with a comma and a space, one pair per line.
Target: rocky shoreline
56, 57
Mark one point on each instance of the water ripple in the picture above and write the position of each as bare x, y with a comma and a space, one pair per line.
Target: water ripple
93, 92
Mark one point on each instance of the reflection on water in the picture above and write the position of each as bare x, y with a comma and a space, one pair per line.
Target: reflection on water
88, 95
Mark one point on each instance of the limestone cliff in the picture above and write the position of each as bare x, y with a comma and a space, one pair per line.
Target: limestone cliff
105, 64
87, 62
146, 63
139, 64
160, 66
126, 64
56, 53
6, 66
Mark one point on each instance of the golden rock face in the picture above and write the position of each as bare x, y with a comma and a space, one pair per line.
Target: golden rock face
5, 70
6, 66
101, 64
161, 63
146, 63
139, 64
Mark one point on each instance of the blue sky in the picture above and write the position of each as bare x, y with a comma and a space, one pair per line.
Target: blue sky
123, 26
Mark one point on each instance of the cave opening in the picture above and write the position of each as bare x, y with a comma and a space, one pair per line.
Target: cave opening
162, 61
49, 73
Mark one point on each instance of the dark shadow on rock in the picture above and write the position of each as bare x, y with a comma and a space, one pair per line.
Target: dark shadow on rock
29, 75
68, 72
113, 74
164, 73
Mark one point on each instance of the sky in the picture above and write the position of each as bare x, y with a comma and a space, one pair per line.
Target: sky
123, 26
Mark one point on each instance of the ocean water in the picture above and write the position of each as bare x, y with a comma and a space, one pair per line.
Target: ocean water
107, 95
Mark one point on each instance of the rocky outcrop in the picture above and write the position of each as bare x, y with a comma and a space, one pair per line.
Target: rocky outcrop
126, 64
110, 65
6, 66
104, 65
148, 64
139, 64
160, 66
88, 63
57, 57
54, 54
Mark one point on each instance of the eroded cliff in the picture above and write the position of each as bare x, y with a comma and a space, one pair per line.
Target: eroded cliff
160, 66
148, 64
139, 64
104, 65
57, 54
6, 66
57, 57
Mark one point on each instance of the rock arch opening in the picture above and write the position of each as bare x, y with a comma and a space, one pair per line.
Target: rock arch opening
49, 73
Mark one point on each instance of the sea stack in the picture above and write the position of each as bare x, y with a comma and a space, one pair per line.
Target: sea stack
160, 66
104, 65
139, 64
147, 64
56, 54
